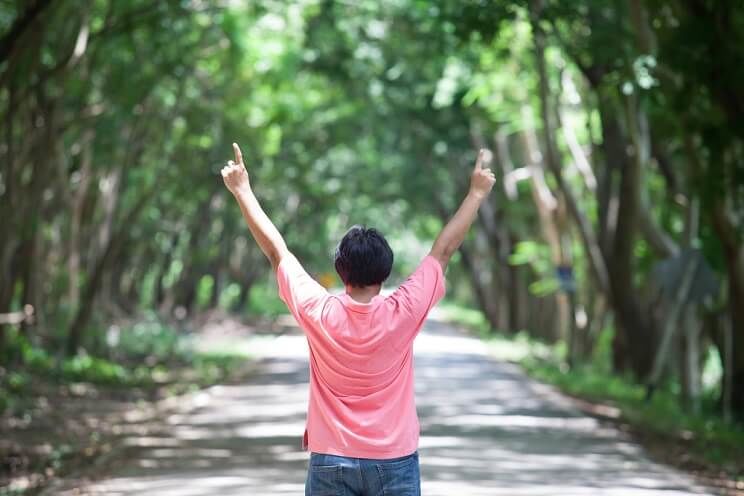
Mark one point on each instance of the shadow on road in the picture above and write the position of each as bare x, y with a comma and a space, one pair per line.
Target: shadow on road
486, 430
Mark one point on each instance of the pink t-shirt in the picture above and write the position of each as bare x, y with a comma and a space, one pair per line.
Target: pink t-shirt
361, 401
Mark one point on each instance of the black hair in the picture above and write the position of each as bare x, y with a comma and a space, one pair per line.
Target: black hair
363, 257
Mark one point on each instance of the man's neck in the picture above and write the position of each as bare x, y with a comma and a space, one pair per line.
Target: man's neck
363, 294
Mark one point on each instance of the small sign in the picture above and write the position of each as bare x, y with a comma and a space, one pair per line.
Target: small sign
566, 278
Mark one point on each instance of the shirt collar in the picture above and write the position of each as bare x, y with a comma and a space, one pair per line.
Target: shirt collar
358, 306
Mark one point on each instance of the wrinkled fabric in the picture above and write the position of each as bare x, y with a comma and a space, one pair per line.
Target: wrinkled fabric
361, 401
332, 474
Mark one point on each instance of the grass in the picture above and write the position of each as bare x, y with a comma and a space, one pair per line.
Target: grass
706, 435
148, 354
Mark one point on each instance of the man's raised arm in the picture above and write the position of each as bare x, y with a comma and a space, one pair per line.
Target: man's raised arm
267, 236
450, 239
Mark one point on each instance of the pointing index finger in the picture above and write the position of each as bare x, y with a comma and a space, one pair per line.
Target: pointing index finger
238, 154
479, 160
487, 156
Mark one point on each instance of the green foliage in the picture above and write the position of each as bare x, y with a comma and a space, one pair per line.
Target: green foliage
85, 368
204, 291
719, 442
537, 256
462, 315
601, 354
17, 381
145, 354
265, 301
229, 296
151, 338
212, 366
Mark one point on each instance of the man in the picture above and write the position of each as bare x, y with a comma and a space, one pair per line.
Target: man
362, 429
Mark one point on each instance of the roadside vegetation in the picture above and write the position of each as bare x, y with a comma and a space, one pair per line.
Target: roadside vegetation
59, 414
701, 442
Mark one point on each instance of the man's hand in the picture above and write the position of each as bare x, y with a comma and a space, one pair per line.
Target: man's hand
234, 173
263, 230
482, 180
450, 239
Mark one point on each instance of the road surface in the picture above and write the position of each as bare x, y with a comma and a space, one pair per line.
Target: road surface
487, 429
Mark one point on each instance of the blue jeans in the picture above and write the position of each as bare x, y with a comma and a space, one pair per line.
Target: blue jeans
331, 475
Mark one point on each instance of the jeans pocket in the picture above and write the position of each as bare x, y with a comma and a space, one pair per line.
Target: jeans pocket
325, 480
400, 478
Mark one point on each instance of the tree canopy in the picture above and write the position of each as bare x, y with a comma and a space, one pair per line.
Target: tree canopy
616, 128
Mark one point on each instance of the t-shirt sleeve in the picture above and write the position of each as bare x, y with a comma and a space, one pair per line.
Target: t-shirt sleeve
421, 291
302, 294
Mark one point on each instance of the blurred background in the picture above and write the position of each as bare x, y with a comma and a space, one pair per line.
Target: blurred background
610, 252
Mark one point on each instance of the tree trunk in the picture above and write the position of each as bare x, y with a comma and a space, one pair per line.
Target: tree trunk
485, 302
591, 245
691, 367
165, 263
637, 331
88, 295
734, 255
553, 161
76, 220
515, 298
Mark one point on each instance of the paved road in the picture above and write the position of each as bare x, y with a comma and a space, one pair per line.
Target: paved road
486, 430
